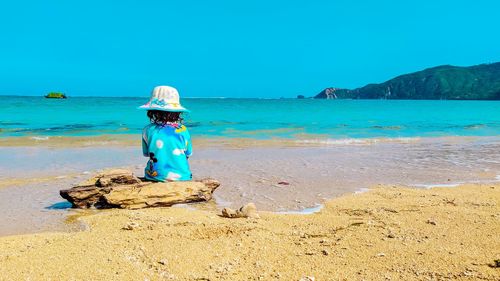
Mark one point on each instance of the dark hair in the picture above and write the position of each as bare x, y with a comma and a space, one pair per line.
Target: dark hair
163, 117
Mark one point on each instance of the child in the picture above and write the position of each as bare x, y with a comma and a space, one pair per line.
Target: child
166, 141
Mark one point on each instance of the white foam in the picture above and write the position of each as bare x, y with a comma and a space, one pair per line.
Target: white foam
429, 186
354, 141
40, 138
306, 211
361, 190
455, 184
204, 97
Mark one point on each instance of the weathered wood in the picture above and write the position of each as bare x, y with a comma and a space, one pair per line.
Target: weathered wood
121, 189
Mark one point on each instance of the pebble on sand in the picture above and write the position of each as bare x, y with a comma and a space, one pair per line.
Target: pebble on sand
131, 226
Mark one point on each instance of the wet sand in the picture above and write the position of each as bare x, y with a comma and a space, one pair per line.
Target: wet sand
250, 171
388, 233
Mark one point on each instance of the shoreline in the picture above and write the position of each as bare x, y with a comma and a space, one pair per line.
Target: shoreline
69, 217
31, 176
299, 140
388, 232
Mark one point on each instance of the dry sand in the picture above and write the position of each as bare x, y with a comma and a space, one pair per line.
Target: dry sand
389, 233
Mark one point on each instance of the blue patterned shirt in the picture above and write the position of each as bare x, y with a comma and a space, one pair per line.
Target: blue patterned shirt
168, 148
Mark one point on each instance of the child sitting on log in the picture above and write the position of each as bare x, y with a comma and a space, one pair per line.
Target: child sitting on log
166, 141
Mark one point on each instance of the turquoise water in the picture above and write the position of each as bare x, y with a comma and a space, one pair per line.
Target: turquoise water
255, 118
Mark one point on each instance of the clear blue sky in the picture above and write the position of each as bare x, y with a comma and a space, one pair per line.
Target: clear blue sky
235, 48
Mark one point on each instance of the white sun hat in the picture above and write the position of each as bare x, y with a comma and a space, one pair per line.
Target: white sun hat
164, 98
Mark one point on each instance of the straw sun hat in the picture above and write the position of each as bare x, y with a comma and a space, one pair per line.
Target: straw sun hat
164, 98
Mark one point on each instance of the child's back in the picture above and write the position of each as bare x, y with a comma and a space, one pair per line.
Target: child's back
168, 147
166, 141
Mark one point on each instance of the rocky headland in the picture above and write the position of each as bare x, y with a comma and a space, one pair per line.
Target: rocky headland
479, 82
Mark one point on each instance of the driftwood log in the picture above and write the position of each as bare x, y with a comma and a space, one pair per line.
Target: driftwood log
121, 189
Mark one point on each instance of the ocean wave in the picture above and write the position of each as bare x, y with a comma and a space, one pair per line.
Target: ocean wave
361, 190
4, 123
70, 129
40, 138
395, 127
455, 184
305, 211
63, 128
356, 141
429, 186
474, 126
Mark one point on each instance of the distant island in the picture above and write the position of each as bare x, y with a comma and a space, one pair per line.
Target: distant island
55, 95
479, 82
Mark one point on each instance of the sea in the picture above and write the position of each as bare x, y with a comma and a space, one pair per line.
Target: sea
305, 119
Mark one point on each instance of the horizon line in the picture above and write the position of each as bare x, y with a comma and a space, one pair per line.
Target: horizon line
220, 97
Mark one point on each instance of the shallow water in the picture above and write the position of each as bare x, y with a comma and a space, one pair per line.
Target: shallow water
250, 174
255, 118
35, 207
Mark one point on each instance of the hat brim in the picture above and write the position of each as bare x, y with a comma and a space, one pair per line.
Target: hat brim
163, 108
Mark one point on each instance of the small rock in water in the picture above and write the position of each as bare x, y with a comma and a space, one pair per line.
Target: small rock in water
131, 226
229, 213
247, 211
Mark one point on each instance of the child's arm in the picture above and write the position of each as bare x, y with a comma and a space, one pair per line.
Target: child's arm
145, 150
189, 147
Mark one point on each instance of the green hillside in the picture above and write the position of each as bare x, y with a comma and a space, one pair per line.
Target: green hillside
480, 82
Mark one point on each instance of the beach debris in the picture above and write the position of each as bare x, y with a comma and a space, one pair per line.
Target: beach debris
307, 278
495, 264
391, 234
247, 211
284, 183
431, 221
325, 252
380, 255
119, 188
131, 226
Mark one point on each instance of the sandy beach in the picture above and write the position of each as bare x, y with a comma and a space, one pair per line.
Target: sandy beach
402, 209
388, 233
